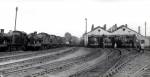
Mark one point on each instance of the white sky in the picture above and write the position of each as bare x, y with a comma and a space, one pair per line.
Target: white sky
60, 16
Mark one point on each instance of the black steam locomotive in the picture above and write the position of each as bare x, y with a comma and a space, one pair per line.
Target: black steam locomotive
18, 40
113, 41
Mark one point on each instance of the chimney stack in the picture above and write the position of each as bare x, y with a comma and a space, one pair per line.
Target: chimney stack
2, 30
126, 25
145, 28
92, 27
115, 27
139, 29
104, 26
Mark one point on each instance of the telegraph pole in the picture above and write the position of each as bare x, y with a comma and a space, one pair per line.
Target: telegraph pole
85, 25
16, 18
145, 28
85, 42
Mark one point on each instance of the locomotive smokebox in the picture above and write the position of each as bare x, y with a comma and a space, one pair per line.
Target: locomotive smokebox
1, 30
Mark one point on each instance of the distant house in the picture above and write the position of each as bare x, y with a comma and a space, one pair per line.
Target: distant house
122, 30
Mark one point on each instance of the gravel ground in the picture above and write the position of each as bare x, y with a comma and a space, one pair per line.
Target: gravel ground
136, 67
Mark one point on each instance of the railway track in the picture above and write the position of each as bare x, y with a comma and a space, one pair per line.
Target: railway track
104, 68
51, 68
100, 66
42, 67
15, 58
15, 53
35, 61
123, 60
144, 72
139, 67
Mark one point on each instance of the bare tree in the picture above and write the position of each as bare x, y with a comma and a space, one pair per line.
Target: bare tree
75, 40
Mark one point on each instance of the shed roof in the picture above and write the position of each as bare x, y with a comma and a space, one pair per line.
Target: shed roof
95, 29
120, 27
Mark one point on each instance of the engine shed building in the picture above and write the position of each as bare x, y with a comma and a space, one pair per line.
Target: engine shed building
95, 31
122, 30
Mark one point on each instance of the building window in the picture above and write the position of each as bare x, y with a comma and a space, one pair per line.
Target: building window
123, 29
99, 30
142, 41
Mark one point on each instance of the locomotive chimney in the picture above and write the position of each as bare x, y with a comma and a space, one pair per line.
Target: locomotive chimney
139, 29
2, 30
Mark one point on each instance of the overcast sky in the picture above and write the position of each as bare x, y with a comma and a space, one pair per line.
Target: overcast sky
60, 16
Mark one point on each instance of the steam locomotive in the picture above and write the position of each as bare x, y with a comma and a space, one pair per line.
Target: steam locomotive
113, 41
18, 40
